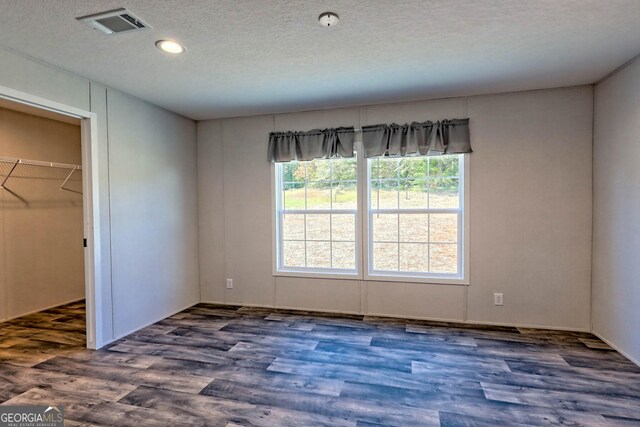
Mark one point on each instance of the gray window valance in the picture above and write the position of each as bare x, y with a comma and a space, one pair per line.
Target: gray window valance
427, 138
314, 144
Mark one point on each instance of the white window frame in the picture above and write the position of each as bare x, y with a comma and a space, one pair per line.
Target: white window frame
462, 277
363, 243
278, 268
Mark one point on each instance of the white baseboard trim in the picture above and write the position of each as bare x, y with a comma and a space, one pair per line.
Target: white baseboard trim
396, 316
520, 325
282, 307
616, 348
106, 342
400, 316
322, 310
60, 304
136, 329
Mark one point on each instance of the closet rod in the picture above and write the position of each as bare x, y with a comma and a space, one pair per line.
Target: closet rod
38, 163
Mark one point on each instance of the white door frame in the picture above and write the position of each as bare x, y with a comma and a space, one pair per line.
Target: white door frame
90, 201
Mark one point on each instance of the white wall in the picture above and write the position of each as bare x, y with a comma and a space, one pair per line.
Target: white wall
162, 146
211, 232
616, 248
530, 213
40, 242
531, 198
36, 78
154, 237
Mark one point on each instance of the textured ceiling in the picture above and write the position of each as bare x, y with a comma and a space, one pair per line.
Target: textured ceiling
257, 56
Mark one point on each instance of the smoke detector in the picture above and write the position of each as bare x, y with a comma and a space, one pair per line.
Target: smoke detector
114, 21
328, 19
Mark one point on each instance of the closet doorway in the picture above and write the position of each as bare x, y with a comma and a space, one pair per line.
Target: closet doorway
47, 256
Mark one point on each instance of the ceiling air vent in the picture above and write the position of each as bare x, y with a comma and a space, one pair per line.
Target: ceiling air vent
114, 21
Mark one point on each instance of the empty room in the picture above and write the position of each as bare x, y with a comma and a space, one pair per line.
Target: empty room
311, 213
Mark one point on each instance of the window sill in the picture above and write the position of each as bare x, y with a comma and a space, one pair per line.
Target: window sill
373, 278
377, 277
318, 275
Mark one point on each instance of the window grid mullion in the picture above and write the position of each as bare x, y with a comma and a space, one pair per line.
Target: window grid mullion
378, 189
417, 211
341, 241
305, 239
398, 165
324, 211
306, 183
330, 215
409, 242
427, 184
398, 242
283, 192
429, 242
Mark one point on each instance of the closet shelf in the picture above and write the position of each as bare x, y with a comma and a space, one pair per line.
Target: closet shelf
38, 163
15, 162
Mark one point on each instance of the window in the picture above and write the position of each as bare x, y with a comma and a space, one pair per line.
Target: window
317, 206
386, 218
415, 216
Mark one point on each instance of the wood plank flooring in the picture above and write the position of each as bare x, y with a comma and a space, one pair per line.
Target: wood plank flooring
214, 365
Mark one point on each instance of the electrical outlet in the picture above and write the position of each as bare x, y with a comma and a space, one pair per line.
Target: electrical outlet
229, 283
498, 299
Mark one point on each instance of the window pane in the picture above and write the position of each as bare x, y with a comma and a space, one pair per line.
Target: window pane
318, 227
444, 166
444, 228
413, 194
345, 195
293, 172
319, 254
293, 196
414, 227
293, 226
385, 256
443, 193
344, 255
421, 241
343, 227
384, 168
384, 194
345, 170
308, 240
319, 195
414, 257
293, 254
318, 170
413, 167
443, 258
385, 227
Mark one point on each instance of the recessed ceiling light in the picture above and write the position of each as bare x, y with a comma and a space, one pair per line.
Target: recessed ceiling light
328, 19
170, 46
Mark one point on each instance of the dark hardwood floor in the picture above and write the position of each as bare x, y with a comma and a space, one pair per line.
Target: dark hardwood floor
228, 366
